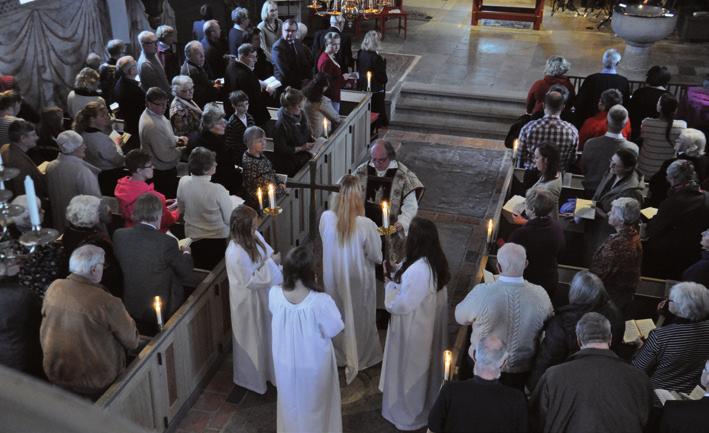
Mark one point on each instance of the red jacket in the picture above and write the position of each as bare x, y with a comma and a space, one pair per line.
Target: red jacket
335, 80
127, 192
535, 97
596, 126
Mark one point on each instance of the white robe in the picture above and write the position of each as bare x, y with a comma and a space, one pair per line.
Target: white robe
412, 371
249, 283
349, 277
304, 361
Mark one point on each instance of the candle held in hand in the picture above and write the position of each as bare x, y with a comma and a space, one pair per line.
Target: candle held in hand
32, 208
447, 361
259, 195
271, 196
157, 306
385, 214
369, 81
325, 126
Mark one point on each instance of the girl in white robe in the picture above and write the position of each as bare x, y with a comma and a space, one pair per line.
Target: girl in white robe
252, 271
304, 323
412, 371
352, 248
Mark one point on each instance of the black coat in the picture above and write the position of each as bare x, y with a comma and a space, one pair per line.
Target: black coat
75, 237
590, 92
234, 136
372, 61
698, 272
20, 319
263, 68
236, 38
642, 104
131, 101
238, 76
226, 174
560, 335
291, 65
204, 90
659, 185
214, 62
343, 57
287, 135
689, 416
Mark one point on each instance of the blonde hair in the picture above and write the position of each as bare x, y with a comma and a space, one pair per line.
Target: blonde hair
349, 206
371, 41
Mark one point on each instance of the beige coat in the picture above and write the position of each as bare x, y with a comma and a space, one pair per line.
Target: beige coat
85, 333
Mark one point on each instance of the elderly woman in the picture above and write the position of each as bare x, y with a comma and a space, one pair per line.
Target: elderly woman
617, 261
690, 145
659, 136
129, 95
237, 125
554, 73
643, 102
258, 171
206, 207
586, 294
597, 125
85, 90
328, 65
211, 136
94, 124
270, 26
167, 36
543, 239
673, 234
185, 114
292, 136
674, 355
318, 106
369, 60
84, 215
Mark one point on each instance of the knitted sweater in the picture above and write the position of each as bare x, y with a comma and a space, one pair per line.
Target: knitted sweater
512, 309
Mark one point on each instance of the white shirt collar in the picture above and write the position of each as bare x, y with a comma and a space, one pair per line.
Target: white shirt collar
392, 164
506, 279
614, 135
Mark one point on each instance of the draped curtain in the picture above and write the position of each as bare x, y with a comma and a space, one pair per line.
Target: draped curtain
45, 43
139, 21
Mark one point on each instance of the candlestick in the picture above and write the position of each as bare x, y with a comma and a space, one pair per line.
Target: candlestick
489, 231
369, 81
32, 201
157, 306
385, 214
447, 360
271, 196
325, 126
259, 195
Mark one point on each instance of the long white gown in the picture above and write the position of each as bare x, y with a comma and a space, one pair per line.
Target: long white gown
249, 283
304, 360
412, 371
349, 277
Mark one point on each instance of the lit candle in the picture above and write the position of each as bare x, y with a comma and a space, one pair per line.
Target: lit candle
324, 125
489, 230
259, 195
271, 196
369, 81
157, 305
31, 201
447, 360
385, 214
515, 146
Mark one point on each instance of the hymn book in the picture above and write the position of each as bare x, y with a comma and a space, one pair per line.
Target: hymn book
585, 209
663, 395
637, 329
272, 84
649, 212
514, 206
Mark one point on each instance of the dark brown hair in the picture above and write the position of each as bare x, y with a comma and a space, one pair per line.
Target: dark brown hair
423, 242
240, 225
299, 265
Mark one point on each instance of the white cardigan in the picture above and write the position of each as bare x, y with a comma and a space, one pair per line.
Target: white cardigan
206, 207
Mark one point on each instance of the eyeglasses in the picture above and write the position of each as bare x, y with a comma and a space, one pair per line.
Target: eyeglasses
380, 160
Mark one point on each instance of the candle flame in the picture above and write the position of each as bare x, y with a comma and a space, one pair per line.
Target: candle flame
157, 303
489, 226
271, 188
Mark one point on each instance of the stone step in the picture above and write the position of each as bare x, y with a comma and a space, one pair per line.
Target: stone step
449, 124
458, 92
474, 108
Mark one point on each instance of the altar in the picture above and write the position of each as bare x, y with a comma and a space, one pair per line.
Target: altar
512, 13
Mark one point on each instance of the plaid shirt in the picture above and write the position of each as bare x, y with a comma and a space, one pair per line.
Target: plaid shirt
548, 129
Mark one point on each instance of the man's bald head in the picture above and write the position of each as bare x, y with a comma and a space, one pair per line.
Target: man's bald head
490, 355
512, 260
382, 153
553, 102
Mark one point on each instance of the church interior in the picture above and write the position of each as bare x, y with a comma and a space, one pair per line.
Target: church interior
456, 116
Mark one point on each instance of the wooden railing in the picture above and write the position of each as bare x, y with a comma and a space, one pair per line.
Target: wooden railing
165, 378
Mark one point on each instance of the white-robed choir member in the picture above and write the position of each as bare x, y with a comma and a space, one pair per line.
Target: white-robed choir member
351, 250
412, 371
252, 270
303, 325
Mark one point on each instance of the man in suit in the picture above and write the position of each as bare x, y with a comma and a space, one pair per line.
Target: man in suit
240, 76
158, 267
239, 33
344, 56
214, 50
291, 65
205, 89
688, 416
150, 70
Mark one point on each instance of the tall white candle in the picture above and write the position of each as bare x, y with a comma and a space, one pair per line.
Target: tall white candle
369, 81
447, 360
259, 195
515, 146
489, 230
31, 201
325, 126
157, 305
271, 196
385, 214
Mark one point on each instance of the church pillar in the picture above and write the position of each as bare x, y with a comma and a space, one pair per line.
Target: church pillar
120, 24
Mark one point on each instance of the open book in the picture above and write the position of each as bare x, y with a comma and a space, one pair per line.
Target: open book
488, 277
663, 395
585, 209
649, 212
272, 83
635, 329
513, 206
318, 145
